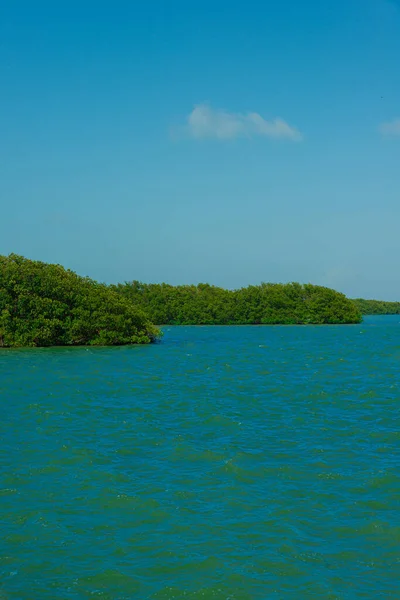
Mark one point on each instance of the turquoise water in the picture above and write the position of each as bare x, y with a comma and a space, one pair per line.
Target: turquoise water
224, 463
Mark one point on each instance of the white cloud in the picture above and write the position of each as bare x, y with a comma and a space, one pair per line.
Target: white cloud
205, 122
390, 128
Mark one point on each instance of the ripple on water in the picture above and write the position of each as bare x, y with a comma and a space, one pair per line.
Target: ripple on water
227, 463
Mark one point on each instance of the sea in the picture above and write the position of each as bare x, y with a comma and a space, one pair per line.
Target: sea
224, 463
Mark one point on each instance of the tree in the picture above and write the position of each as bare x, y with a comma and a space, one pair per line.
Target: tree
264, 304
47, 305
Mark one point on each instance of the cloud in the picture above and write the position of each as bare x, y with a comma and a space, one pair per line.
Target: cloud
206, 122
390, 128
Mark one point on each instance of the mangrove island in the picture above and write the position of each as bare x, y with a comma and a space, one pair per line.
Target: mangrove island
46, 305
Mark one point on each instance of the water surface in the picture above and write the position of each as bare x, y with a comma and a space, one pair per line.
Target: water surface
225, 463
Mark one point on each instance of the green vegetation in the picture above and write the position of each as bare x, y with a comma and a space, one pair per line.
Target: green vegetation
46, 305
377, 307
265, 304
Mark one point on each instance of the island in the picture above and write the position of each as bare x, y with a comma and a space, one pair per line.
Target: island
46, 305
377, 307
265, 304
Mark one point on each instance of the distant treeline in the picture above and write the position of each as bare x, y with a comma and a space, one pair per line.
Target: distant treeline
377, 307
263, 304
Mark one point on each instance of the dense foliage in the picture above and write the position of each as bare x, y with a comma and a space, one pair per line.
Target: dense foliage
264, 304
46, 305
377, 307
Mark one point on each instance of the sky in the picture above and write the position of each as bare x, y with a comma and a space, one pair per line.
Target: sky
222, 142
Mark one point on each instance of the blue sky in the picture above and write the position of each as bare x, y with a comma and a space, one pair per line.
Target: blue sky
227, 142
